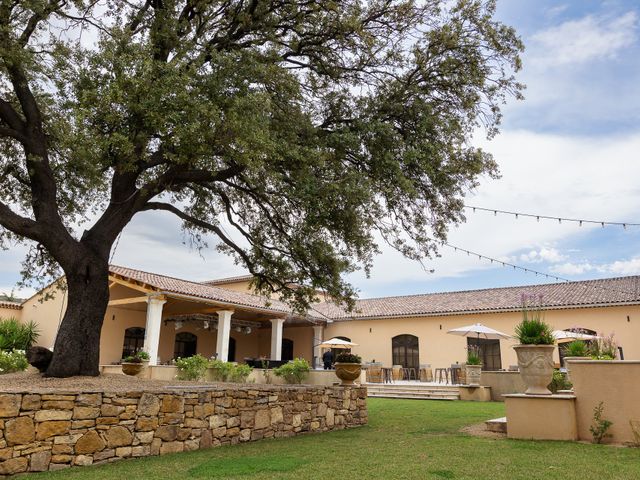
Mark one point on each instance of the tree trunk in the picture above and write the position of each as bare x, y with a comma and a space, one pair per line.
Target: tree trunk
77, 346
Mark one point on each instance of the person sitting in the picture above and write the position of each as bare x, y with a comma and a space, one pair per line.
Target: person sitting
327, 359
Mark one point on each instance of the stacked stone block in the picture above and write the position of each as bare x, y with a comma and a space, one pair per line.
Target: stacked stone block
51, 431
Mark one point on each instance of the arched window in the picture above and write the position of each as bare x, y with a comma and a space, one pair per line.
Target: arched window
287, 349
231, 356
404, 351
186, 345
133, 341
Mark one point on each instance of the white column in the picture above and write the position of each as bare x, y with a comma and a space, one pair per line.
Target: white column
224, 330
318, 337
276, 338
152, 328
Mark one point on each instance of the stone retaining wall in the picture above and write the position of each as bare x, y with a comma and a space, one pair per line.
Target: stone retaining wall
51, 431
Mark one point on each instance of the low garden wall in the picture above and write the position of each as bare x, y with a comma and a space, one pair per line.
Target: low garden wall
47, 430
502, 383
616, 384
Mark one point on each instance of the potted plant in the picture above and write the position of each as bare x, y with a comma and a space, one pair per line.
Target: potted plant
605, 347
348, 366
134, 364
576, 350
535, 351
473, 368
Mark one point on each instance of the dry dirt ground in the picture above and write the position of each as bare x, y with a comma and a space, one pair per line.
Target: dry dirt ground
30, 382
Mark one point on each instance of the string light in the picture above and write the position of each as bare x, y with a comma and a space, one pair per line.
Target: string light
579, 221
536, 272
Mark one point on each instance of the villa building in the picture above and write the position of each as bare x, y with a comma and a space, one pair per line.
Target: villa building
170, 318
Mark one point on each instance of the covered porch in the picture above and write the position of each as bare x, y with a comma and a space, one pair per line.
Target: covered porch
169, 323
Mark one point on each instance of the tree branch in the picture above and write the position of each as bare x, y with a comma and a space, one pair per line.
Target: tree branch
204, 225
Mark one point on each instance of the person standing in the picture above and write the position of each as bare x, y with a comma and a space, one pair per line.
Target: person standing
327, 359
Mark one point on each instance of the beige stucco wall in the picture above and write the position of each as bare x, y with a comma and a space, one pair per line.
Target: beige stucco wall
46, 313
10, 313
502, 383
614, 383
441, 349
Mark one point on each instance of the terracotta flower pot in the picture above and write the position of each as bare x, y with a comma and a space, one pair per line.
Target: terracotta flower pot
536, 367
348, 372
133, 369
473, 373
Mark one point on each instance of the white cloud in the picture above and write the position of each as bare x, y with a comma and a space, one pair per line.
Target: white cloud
544, 254
571, 269
617, 268
569, 176
585, 39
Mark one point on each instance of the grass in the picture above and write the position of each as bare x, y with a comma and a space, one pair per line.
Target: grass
405, 439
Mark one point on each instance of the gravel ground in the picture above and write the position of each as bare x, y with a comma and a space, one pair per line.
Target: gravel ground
34, 382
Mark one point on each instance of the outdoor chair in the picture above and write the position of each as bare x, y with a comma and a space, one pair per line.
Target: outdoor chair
426, 374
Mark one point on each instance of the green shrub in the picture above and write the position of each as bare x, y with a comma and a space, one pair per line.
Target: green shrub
577, 348
559, 382
240, 373
532, 329
600, 425
137, 357
15, 335
229, 372
192, 368
605, 347
12, 361
293, 372
348, 358
473, 355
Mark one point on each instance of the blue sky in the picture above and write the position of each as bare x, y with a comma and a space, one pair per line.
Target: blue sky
569, 149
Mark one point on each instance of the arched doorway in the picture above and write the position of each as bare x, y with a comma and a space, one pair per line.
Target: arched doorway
231, 357
405, 351
133, 341
287, 349
185, 346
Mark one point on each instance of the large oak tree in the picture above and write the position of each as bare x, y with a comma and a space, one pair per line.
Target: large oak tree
297, 132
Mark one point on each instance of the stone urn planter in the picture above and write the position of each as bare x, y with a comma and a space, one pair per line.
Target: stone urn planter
134, 368
473, 373
536, 367
348, 372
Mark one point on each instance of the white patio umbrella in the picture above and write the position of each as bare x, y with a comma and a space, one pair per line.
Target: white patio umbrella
337, 343
565, 335
479, 331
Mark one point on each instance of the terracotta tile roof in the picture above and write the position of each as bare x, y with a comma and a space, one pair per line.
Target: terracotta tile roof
10, 305
223, 281
610, 291
206, 292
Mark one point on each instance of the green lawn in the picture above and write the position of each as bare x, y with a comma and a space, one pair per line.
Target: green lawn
405, 439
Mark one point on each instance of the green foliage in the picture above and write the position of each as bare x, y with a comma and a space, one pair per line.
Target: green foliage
473, 355
137, 357
12, 361
229, 371
600, 426
294, 371
559, 382
577, 348
192, 368
15, 335
605, 347
348, 358
532, 329
318, 127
